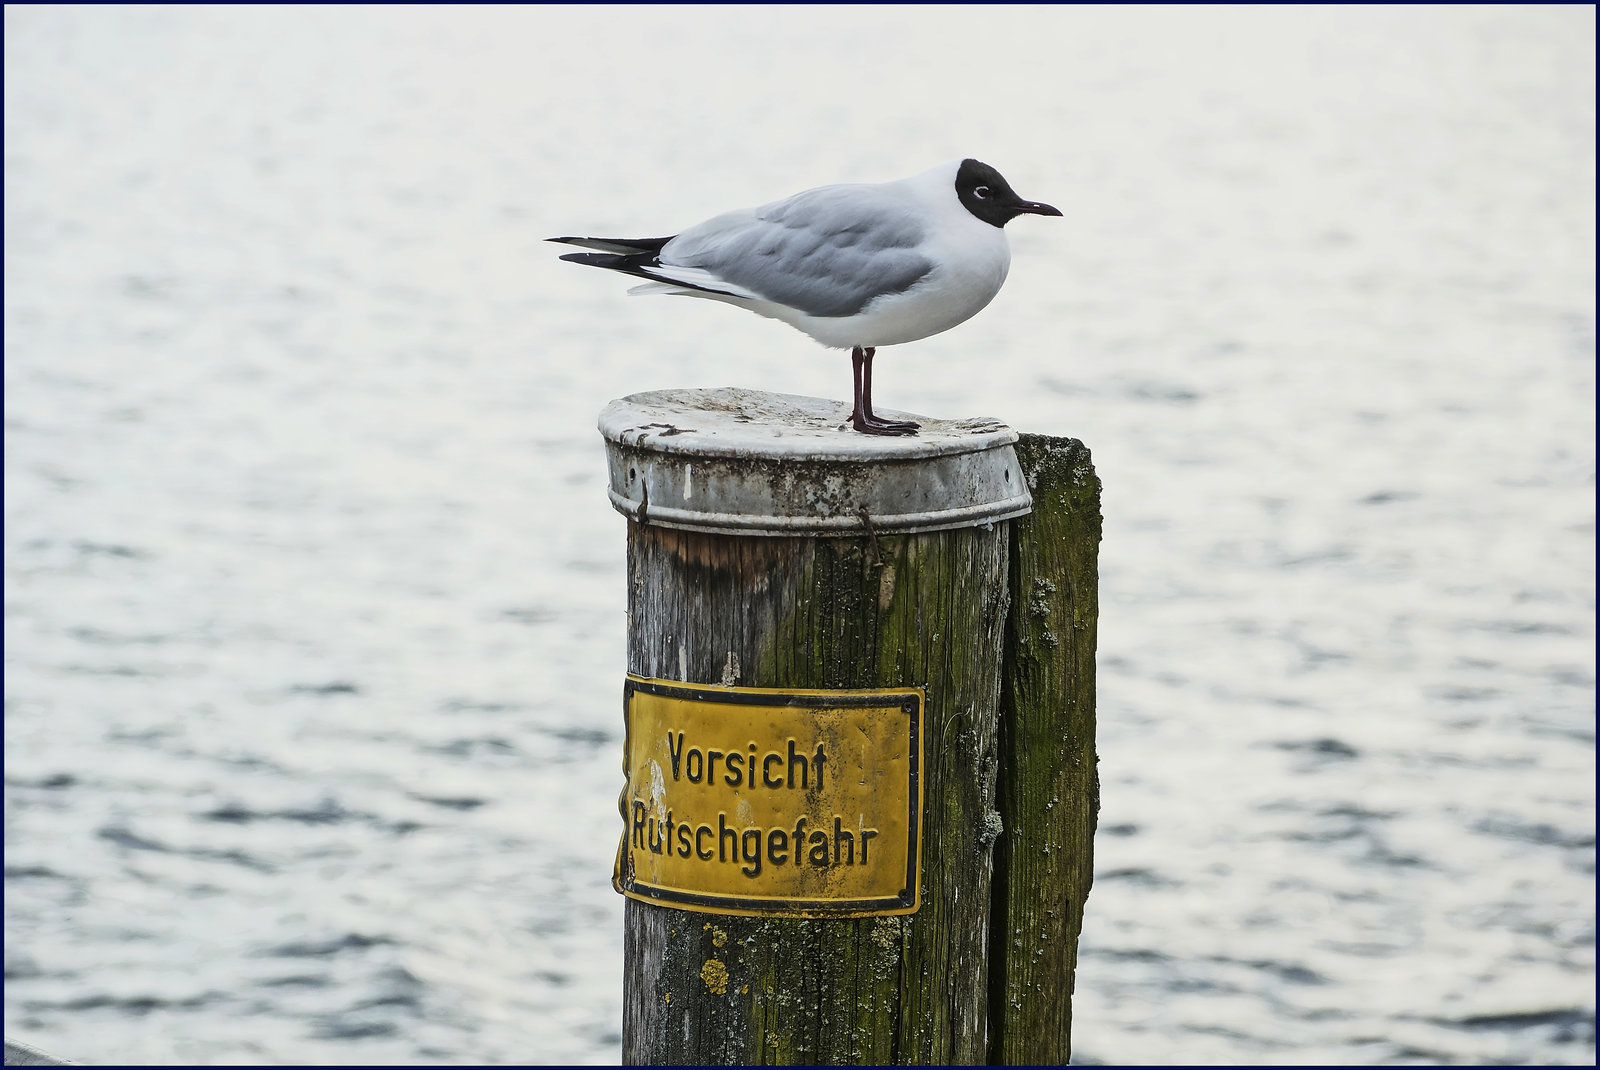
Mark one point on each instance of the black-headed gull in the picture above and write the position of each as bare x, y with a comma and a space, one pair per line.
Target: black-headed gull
855, 266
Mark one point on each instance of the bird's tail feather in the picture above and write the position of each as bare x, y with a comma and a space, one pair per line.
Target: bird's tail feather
625, 246
615, 261
662, 279
663, 288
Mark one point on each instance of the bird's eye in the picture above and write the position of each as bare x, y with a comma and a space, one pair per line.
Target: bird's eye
982, 193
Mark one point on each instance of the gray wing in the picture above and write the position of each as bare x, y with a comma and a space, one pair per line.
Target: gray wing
827, 252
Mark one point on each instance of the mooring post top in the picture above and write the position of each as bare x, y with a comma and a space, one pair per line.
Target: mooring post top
750, 462
20, 1054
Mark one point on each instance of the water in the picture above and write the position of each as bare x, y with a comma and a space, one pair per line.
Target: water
314, 603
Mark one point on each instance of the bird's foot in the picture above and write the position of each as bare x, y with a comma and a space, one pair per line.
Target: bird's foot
874, 425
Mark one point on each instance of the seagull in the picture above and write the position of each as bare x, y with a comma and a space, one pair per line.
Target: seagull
854, 266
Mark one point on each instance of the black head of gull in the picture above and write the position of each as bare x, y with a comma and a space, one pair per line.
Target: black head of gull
986, 194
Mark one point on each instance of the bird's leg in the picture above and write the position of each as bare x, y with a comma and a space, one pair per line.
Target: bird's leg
862, 417
857, 358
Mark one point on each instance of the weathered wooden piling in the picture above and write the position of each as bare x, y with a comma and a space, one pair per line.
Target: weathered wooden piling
20, 1054
845, 605
1049, 786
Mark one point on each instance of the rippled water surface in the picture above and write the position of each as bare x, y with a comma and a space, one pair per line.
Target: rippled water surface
314, 601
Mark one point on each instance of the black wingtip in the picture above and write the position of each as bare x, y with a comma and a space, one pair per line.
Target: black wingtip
638, 265
617, 246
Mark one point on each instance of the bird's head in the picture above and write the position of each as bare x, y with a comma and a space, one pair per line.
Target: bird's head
986, 194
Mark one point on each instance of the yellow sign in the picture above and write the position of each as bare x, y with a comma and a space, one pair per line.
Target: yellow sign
746, 800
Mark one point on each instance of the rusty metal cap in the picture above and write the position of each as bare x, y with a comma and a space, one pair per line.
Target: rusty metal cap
747, 462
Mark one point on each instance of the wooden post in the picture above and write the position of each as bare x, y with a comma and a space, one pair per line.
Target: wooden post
1049, 785
769, 549
20, 1054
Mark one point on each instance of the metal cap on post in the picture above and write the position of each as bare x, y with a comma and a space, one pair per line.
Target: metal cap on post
707, 460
